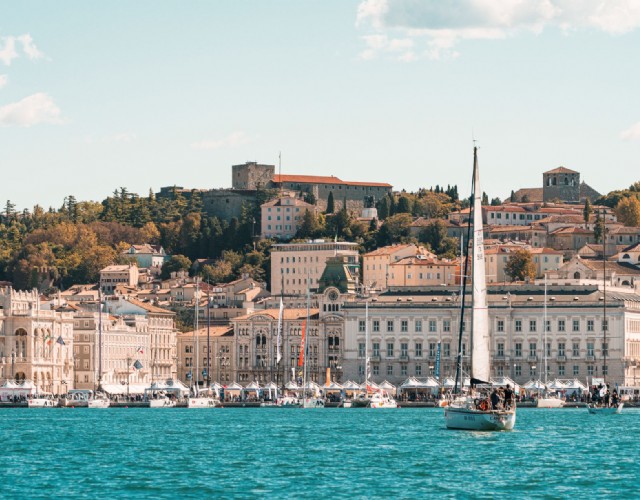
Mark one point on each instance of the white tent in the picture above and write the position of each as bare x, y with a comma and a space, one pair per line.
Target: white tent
575, 385
292, 386
350, 385
449, 382
534, 385
332, 387
122, 388
557, 385
11, 388
388, 386
504, 381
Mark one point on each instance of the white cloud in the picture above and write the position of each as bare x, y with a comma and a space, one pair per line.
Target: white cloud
441, 25
9, 52
32, 110
632, 133
233, 140
3, 80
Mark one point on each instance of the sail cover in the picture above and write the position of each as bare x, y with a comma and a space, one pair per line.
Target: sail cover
480, 363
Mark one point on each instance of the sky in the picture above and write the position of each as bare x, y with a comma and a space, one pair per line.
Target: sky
100, 95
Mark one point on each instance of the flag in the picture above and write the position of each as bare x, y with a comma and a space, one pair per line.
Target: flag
48, 339
137, 365
60, 341
188, 375
279, 339
437, 370
302, 344
140, 350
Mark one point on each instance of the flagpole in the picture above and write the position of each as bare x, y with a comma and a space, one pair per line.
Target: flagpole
208, 337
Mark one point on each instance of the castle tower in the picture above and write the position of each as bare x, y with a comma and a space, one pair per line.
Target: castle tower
562, 184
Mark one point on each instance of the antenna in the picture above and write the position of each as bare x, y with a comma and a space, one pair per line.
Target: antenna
280, 170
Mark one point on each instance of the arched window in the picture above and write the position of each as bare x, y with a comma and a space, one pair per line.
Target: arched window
626, 256
576, 275
21, 332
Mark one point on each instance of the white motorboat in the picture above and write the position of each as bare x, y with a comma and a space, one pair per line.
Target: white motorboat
76, 398
382, 400
313, 402
475, 412
202, 402
605, 410
549, 402
99, 401
40, 401
162, 403
289, 402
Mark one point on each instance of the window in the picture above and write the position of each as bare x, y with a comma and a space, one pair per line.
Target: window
376, 349
375, 369
418, 370
590, 370
575, 351
361, 350
432, 349
389, 349
376, 325
389, 369
589, 325
446, 348
532, 325
500, 326
446, 325
518, 325
605, 325
576, 370
418, 349
590, 349
361, 326
605, 350
548, 348
418, 325
532, 371
360, 370
518, 370
404, 325
404, 349
432, 325
561, 370
500, 350
533, 349
518, 348
561, 325
548, 325
403, 369
576, 325
561, 349
390, 325
605, 370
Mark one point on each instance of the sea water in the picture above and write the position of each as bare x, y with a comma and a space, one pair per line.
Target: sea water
320, 453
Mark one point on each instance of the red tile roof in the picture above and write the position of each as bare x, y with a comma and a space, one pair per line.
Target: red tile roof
323, 179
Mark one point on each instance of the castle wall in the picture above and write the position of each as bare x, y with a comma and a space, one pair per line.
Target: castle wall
251, 175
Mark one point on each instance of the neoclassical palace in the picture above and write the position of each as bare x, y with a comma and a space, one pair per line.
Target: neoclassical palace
35, 345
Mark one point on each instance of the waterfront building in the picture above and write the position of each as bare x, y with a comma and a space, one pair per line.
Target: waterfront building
293, 263
113, 276
193, 354
161, 331
126, 344
424, 270
35, 344
407, 325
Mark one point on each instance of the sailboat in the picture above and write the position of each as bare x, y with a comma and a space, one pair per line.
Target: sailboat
375, 398
601, 408
205, 398
475, 411
546, 400
311, 401
99, 400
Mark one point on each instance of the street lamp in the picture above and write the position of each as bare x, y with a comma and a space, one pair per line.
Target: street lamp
13, 363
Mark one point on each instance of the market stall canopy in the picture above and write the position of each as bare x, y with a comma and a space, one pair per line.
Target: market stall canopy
350, 385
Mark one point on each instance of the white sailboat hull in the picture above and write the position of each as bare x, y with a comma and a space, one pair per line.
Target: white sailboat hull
41, 403
549, 403
378, 401
478, 420
162, 403
99, 403
202, 403
313, 403
604, 410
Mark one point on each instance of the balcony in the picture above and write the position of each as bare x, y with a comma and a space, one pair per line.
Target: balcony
404, 357
375, 358
591, 357
562, 357
532, 357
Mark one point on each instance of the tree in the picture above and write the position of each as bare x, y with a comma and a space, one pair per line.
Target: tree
485, 199
330, 204
396, 229
383, 208
586, 212
175, 264
628, 211
404, 205
598, 228
520, 266
513, 196
496, 202
309, 227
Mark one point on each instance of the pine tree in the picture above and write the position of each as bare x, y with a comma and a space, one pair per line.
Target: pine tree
586, 213
330, 204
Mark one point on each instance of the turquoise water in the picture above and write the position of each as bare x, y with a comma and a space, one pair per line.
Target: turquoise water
293, 453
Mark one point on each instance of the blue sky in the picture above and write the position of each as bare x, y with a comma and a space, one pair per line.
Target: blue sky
98, 95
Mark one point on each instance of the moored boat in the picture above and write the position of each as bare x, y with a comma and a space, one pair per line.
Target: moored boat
99, 401
41, 401
162, 403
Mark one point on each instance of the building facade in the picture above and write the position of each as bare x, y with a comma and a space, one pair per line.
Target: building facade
113, 276
292, 264
35, 345
281, 217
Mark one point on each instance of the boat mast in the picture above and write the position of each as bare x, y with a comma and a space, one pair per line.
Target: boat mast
367, 359
544, 328
208, 337
306, 344
195, 335
605, 323
99, 339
